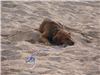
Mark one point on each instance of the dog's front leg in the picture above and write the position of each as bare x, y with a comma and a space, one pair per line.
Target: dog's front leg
44, 39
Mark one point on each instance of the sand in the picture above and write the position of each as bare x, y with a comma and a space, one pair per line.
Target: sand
19, 19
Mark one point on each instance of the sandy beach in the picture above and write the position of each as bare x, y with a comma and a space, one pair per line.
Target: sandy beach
20, 18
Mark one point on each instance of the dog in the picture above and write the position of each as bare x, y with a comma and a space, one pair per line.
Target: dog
54, 33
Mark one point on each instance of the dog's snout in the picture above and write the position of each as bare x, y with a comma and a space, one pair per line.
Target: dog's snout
71, 43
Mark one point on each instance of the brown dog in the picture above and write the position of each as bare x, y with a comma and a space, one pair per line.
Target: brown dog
54, 32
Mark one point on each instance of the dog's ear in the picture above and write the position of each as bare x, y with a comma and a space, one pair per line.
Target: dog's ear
56, 39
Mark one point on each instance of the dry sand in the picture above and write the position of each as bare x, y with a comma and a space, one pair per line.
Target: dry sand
18, 22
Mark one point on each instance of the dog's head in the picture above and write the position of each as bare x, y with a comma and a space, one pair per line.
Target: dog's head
63, 37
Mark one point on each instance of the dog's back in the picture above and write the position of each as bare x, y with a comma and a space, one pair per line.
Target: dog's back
49, 25
50, 28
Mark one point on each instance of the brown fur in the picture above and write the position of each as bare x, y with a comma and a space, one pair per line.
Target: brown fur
54, 32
